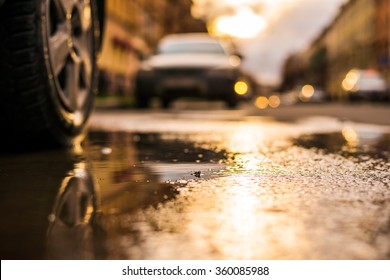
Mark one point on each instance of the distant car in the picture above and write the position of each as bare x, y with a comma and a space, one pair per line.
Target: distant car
366, 84
190, 65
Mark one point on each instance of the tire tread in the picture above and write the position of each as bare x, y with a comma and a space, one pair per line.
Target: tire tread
21, 112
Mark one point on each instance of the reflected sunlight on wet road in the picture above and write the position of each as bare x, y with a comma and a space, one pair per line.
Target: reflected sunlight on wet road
203, 185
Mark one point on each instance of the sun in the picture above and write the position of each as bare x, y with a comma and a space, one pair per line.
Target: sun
244, 24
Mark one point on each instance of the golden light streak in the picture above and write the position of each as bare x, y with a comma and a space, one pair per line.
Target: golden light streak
244, 24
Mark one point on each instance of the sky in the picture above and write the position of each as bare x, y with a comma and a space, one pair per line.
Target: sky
283, 27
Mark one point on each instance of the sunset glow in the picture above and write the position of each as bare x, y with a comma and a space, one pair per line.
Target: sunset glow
244, 24
266, 31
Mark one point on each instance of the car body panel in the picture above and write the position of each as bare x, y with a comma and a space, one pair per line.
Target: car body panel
185, 82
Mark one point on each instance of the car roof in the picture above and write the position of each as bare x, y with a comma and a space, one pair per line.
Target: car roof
366, 72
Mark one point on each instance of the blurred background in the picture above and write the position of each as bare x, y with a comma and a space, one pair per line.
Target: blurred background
296, 50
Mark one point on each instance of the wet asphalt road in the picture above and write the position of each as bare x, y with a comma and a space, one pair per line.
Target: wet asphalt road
195, 183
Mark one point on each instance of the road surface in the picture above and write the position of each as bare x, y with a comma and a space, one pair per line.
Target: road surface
203, 182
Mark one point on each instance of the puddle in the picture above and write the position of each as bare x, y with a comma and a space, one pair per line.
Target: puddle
152, 157
192, 196
349, 143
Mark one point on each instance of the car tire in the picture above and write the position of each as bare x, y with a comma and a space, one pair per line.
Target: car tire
48, 72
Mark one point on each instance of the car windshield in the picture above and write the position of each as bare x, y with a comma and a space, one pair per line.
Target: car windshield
182, 48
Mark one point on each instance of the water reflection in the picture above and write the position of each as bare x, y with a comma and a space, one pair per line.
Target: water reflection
349, 142
225, 216
70, 205
166, 196
47, 205
72, 229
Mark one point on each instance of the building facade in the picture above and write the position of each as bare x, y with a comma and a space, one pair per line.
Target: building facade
358, 37
350, 43
382, 42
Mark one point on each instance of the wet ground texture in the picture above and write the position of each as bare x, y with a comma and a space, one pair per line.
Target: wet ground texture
212, 186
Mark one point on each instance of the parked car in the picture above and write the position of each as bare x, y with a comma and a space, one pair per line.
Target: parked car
365, 84
190, 65
48, 69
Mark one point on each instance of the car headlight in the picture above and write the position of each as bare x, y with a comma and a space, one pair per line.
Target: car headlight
241, 88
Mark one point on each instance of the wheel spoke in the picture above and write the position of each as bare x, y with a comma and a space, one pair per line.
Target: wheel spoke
84, 8
70, 48
72, 84
81, 45
87, 73
59, 51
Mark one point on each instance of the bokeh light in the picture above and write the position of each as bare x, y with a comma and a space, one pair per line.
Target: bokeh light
274, 101
306, 93
349, 83
262, 102
241, 88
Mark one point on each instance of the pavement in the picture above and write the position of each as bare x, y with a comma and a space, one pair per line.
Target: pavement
199, 181
358, 112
